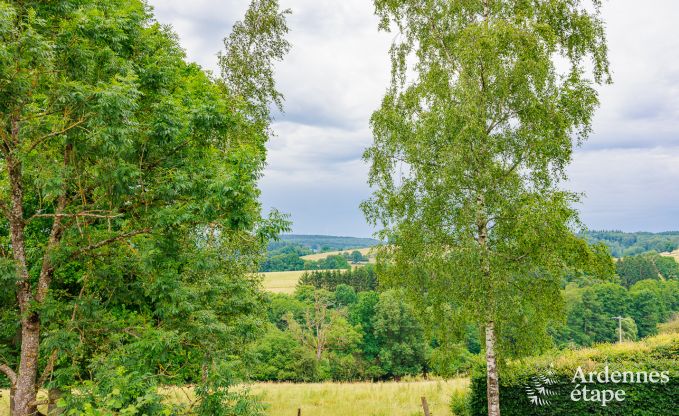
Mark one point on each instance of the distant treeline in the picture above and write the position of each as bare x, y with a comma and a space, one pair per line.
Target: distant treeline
322, 243
286, 256
361, 279
628, 244
342, 325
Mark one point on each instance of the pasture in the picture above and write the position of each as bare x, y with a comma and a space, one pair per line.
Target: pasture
281, 282
359, 399
340, 399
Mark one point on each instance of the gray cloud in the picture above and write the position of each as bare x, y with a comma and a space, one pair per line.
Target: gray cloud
338, 70
628, 189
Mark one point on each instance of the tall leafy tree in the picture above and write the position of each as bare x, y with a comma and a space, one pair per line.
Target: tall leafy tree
470, 145
398, 335
130, 221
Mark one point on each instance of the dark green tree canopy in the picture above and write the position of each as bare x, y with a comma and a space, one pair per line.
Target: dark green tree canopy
128, 191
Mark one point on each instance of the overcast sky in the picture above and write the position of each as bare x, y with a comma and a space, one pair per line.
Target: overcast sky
338, 70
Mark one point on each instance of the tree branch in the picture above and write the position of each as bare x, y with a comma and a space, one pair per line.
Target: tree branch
57, 231
90, 214
109, 241
48, 368
55, 133
11, 375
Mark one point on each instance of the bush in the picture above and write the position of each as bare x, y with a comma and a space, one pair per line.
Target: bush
451, 361
279, 357
459, 403
555, 373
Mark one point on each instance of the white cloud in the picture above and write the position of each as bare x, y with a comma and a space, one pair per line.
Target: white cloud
338, 69
641, 108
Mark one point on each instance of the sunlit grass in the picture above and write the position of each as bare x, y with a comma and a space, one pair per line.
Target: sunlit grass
350, 399
281, 282
339, 399
359, 399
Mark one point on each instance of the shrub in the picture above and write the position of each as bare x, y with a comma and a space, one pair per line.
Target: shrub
451, 361
459, 403
555, 372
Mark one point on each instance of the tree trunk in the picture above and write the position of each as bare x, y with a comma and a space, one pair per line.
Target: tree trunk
26, 388
25, 394
12, 393
492, 380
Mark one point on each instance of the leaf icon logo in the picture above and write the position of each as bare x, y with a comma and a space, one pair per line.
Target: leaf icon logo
538, 390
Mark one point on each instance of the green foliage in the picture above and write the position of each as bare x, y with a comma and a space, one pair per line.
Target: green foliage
590, 311
648, 399
646, 311
141, 216
279, 357
283, 256
345, 295
399, 336
459, 403
629, 244
319, 335
281, 304
330, 262
282, 263
361, 278
450, 361
361, 314
118, 393
471, 145
646, 266
357, 257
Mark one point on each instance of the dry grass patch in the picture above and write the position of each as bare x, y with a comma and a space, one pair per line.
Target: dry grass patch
281, 282
359, 399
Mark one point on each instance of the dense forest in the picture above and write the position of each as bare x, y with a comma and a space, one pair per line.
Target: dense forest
626, 244
342, 325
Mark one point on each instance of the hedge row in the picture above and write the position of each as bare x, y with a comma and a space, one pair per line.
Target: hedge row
543, 385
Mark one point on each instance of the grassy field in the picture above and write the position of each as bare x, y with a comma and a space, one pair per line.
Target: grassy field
281, 282
359, 399
320, 256
343, 399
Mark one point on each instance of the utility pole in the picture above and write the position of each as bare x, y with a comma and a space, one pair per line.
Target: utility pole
619, 318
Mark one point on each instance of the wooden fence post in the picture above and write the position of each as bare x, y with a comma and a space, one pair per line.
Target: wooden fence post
425, 406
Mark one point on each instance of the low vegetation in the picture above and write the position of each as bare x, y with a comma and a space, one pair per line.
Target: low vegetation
559, 368
359, 399
340, 399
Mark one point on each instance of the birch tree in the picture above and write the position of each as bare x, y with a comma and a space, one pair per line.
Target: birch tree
488, 99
